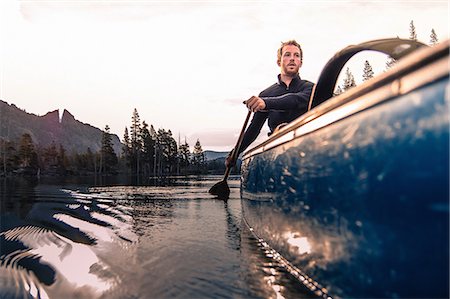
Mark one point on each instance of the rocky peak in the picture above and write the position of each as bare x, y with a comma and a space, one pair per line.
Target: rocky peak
51, 117
74, 135
67, 117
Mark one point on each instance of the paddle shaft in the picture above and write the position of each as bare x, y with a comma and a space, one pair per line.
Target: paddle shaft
238, 145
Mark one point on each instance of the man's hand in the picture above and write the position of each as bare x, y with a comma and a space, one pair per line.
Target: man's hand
255, 104
229, 160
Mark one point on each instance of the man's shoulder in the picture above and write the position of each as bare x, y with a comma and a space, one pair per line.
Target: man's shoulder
269, 90
306, 83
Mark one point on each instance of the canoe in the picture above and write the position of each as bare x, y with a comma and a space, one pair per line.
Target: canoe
353, 196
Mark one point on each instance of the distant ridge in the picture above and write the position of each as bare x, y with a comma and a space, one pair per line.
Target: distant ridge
73, 135
213, 155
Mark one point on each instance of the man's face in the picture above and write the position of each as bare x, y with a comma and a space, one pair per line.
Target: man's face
290, 60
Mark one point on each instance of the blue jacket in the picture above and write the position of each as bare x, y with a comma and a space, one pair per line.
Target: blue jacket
283, 105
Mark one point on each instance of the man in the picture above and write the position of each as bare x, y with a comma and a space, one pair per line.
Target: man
282, 102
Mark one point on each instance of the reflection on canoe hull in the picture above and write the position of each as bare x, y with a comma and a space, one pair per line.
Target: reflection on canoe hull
361, 205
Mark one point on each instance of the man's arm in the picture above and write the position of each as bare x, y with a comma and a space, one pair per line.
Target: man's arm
289, 101
250, 134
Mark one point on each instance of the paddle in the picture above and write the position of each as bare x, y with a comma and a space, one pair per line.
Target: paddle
221, 188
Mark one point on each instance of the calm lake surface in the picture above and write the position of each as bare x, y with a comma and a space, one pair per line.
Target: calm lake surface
120, 239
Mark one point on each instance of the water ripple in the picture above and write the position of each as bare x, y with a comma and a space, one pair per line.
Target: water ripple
122, 241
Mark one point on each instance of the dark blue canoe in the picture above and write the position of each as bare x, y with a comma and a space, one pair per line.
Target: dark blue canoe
353, 196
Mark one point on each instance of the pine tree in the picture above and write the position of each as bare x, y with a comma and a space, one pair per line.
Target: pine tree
108, 156
62, 159
390, 62
433, 38
148, 148
154, 136
27, 153
166, 152
198, 157
153, 132
367, 71
349, 80
338, 91
184, 155
10, 158
126, 149
49, 159
136, 141
90, 160
135, 131
84, 163
172, 151
412, 31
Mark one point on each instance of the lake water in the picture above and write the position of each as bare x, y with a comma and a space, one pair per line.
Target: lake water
121, 239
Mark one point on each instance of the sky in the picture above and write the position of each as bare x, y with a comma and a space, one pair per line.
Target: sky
184, 65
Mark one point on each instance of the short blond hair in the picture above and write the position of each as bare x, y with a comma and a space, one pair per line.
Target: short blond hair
291, 42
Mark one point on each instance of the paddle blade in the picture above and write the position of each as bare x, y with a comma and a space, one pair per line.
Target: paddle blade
221, 190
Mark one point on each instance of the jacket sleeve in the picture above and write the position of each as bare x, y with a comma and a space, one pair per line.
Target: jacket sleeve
253, 130
290, 101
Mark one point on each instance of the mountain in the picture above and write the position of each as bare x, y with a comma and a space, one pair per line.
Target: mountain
73, 135
213, 155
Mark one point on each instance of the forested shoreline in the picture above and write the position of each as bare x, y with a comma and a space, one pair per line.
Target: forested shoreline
145, 152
